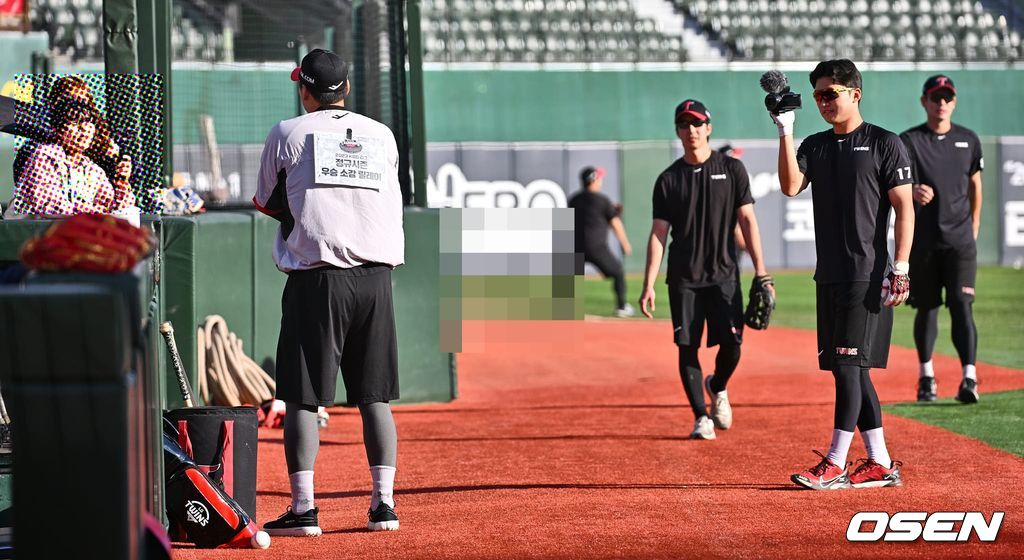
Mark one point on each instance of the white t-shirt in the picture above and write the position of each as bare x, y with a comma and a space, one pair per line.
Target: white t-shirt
336, 173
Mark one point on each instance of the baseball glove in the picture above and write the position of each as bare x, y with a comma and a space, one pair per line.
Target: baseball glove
89, 243
760, 304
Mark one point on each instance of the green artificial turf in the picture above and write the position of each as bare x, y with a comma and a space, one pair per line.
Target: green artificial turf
997, 419
998, 311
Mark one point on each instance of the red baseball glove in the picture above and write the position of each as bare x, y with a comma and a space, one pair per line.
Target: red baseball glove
89, 243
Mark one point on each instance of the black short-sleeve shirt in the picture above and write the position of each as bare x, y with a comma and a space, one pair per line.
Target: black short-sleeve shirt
700, 202
851, 175
946, 163
593, 213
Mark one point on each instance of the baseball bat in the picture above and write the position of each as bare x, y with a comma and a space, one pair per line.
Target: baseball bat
167, 330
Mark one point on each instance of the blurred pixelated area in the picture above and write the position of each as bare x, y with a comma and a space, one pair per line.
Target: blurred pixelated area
506, 264
50, 105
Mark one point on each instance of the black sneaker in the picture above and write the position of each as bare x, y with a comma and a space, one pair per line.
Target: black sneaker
382, 519
968, 393
291, 525
926, 389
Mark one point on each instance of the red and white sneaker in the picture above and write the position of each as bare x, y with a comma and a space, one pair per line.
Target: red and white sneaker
870, 474
826, 475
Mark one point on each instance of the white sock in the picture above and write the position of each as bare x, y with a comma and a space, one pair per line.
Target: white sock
874, 440
926, 369
302, 491
383, 486
841, 441
970, 372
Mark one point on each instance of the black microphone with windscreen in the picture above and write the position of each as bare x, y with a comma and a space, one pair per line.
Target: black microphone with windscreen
779, 99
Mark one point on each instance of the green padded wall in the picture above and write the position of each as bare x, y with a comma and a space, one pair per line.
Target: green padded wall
177, 287
268, 284
14, 233
642, 162
220, 263
208, 269
424, 371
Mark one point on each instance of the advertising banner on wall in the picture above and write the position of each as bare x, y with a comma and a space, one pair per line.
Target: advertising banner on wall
1011, 150
546, 175
531, 175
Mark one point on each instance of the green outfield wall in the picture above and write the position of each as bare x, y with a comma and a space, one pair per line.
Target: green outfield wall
549, 105
581, 105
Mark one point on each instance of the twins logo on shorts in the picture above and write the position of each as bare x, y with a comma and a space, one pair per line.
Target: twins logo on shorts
846, 351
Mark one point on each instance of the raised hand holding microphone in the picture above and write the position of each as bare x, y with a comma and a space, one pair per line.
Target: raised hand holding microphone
780, 101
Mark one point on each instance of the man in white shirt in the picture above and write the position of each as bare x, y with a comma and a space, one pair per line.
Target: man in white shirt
331, 178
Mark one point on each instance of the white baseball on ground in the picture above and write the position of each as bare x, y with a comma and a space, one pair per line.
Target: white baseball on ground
260, 540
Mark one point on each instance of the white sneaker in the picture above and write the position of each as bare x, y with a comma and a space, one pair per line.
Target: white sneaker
703, 428
625, 311
721, 412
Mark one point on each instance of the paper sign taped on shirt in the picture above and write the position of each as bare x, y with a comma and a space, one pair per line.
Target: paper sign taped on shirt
349, 160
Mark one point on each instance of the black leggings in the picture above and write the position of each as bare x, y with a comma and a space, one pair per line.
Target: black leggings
963, 331
610, 267
857, 403
689, 371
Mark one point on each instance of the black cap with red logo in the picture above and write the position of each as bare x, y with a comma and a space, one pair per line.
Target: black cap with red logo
692, 108
937, 82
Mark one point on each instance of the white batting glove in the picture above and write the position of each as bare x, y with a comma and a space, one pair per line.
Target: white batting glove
785, 122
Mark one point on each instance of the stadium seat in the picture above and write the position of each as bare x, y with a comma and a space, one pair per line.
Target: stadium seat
921, 26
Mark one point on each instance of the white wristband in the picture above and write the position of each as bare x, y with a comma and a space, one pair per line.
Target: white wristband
901, 267
785, 131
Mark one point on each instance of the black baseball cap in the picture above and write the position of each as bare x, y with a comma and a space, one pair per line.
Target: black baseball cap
693, 108
590, 174
322, 71
937, 82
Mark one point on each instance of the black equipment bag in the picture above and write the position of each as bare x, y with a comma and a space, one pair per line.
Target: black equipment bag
222, 441
201, 512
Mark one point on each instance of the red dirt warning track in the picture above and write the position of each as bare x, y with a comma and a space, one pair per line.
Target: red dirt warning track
578, 450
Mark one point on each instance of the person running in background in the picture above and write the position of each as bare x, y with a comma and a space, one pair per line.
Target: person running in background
595, 213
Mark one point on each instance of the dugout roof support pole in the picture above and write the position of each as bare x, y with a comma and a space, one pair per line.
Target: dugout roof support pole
137, 41
154, 54
120, 36
417, 117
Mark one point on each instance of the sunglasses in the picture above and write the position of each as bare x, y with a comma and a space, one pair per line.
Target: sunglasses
830, 94
942, 95
683, 123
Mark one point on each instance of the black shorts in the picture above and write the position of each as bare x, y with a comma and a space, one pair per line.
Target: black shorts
934, 269
854, 327
335, 318
721, 306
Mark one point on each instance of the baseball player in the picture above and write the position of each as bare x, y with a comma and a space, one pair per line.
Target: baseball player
857, 171
946, 161
701, 198
330, 177
594, 214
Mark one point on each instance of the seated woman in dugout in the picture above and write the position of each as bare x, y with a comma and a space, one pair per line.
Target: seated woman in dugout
59, 179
